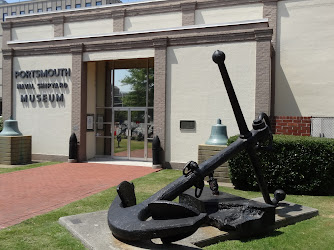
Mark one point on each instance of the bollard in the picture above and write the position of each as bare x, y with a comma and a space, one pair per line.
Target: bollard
73, 151
156, 148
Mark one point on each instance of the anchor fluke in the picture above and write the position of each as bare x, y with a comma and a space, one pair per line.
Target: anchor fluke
126, 192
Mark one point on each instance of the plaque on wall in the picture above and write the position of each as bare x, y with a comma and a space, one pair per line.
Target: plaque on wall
100, 122
90, 122
187, 125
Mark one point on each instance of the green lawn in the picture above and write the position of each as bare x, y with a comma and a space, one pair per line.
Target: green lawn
44, 232
23, 167
134, 145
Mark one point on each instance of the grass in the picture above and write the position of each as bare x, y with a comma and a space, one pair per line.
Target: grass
134, 145
315, 233
23, 167
44, 232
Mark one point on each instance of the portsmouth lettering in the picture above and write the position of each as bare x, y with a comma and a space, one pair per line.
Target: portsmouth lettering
42, 86
43, 73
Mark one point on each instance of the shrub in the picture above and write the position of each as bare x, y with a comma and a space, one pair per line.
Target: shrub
1, 123
297, 164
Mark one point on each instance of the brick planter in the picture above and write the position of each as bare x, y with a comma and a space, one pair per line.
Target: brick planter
15, 150
205, 152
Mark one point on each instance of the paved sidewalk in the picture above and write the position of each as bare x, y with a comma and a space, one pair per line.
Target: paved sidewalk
31, 192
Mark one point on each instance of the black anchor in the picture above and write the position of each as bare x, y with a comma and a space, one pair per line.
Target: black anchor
159, 216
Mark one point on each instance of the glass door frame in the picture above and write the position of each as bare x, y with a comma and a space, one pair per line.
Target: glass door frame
129, 110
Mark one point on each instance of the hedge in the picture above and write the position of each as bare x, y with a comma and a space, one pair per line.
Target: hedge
297, 164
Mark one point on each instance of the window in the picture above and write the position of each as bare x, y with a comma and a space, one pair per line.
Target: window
98, 3
58, 8
13, 13
31, 11
22, 12
39, 10
4, 16
88, 4
48, 9
78, 5
68, 7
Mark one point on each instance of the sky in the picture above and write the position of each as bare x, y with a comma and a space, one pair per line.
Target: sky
124, 1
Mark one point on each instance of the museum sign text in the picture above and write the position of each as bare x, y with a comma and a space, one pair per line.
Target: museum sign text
51, 97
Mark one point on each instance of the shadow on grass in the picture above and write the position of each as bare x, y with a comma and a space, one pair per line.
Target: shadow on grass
271, 234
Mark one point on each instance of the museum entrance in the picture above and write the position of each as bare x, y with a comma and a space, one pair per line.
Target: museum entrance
125, 110
133, 133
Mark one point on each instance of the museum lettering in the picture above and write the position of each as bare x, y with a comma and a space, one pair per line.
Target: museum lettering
43, 97
47, 73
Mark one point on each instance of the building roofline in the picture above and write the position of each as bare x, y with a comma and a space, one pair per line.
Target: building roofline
123, 33
114, 5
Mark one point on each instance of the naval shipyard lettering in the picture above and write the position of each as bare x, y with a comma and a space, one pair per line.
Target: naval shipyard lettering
27, 74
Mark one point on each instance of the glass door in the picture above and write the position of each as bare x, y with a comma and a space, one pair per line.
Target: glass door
121, 134
130, 133
124, 109
150, 127
138, 147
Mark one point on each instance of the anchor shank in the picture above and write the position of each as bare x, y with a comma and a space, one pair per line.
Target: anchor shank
219, 58
258, 173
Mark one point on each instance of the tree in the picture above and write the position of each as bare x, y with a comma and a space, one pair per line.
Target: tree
137, 79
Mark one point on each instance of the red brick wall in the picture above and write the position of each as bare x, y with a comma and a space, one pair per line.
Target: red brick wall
291, 125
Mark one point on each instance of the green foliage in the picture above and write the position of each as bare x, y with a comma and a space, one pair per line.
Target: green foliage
138, 79
1, 124
297, 164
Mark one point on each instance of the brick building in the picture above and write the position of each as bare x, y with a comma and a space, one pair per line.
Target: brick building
73, 71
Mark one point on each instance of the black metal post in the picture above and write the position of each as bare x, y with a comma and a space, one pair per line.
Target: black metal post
73, 149
156, 148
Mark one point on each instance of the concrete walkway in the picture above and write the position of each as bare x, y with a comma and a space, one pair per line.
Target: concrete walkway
27, 193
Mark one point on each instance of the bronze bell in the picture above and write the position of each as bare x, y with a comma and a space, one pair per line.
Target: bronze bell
218, 134
10, 128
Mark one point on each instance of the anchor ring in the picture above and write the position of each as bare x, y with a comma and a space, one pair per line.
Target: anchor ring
190, 167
